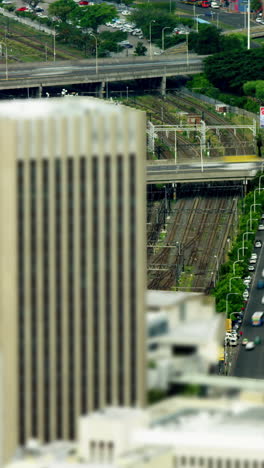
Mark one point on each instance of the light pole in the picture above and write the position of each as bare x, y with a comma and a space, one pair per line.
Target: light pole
229, 294
243, 242
162, 36
257, 189
54, 45
6, 58
260, 180
250, 213
96, 53
230, 279
240, 248
187, 50
201, 152
248, 32
234, 271
150, 45
217, 265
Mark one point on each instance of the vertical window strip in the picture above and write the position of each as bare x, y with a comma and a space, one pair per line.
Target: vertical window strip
58, 243
120, 279
95, 262
46, 353
21, 331
133, 288
33, 292
108, 281
70, 188
83, 286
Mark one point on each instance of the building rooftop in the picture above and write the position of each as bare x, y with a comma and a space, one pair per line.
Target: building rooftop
195, 332
157, 299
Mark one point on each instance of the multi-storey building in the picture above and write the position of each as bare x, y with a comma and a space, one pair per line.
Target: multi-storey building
72, 250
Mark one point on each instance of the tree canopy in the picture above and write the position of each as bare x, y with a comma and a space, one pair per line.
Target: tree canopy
231, 71
62, 8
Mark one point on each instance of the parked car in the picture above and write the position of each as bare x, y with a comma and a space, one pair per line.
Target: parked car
251, 268
83, 2
254, 255
261, 227
252, 260
215, 5
250, 345
258, 243
245, 294
22, 9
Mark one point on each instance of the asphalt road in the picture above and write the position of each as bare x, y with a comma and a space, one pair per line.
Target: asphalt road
251, 363
224, 15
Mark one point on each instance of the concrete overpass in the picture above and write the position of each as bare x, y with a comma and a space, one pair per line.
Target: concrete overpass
167, 172
65, 73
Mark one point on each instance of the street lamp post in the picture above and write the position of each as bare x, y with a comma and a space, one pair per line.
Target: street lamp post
250, 213
257, 189
162, 35
187, 50
234, 271
54, 45
96, 53
150, 45
229, 294
248, 29
243, 242
201, 152
230, 279
260, 180
240, 248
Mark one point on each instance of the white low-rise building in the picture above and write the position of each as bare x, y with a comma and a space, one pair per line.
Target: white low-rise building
184, 334
176, 433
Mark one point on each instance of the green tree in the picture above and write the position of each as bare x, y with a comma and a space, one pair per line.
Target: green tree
62, 8
229, 72
140, 49
233, 42
93, 16
206, 41
144, 14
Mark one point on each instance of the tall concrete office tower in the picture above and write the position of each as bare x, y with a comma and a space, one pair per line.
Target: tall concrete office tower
72, 256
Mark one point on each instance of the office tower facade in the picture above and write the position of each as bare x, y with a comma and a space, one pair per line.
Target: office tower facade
72, 252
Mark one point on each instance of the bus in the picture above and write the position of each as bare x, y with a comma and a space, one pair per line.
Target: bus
257, 318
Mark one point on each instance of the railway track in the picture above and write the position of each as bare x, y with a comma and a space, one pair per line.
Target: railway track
186, 150
202, 241
227, 137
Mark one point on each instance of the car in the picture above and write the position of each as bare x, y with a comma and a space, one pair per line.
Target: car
250, 345
245, 295
261, 227
258, 20
254, 255
39, 9
215, 5
236, 326
252, 260
22, 9
258, 244
244, 341
262, 300
7, 2
83, 2
257, 340
251, 268
125, 13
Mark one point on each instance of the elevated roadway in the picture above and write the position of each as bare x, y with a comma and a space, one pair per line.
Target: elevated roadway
89, 71
192, 172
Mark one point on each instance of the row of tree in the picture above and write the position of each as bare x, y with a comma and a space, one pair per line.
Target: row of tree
241, 250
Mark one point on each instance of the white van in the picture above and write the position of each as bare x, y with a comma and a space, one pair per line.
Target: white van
262, 273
